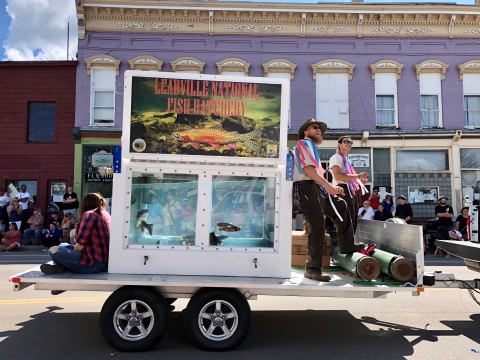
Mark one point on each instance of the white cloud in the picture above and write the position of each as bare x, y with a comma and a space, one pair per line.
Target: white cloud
38, 30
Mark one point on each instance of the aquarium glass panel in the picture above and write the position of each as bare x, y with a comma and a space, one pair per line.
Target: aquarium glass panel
163, 209
243, 212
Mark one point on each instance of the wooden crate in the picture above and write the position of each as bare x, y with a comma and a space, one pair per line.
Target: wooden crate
299, 250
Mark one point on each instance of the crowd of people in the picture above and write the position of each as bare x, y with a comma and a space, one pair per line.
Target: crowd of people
77, 245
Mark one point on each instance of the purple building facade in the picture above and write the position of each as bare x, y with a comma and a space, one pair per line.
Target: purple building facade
427, 145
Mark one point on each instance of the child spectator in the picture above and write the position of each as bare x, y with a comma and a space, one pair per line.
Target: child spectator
67, 225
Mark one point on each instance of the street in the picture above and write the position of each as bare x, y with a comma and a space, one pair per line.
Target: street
439, 324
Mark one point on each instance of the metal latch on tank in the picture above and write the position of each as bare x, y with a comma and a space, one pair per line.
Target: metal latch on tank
255, 262
145, 259
290, 164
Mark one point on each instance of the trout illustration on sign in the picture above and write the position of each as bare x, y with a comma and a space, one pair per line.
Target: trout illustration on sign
216, 136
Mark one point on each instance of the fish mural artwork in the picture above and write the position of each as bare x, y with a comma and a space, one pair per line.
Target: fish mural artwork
216, 136
141, 223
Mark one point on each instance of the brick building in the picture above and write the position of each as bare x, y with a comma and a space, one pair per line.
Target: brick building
403, 80
37, 102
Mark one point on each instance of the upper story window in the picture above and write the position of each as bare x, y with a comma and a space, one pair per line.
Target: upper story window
280, 68
332, 78
146, 63
103, 70
470, 74
187, 65
431, 73
233, 67
41, 122
385, 73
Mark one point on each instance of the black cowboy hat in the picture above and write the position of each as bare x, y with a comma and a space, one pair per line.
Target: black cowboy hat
309, 123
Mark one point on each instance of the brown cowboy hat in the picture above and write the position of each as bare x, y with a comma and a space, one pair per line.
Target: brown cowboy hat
309, 123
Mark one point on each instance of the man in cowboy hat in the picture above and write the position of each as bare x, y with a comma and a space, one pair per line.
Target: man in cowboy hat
316, 201
444, 214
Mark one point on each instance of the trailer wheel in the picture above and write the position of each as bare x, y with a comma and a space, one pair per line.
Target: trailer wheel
217, 319
134, 318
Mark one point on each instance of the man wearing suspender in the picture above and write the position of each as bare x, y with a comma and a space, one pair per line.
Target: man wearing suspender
316, 197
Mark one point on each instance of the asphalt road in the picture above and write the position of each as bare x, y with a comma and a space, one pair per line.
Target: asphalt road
439, 324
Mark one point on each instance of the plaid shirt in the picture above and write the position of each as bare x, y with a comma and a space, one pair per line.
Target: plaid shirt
92, 233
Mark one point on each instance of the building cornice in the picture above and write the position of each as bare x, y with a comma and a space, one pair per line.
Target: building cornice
294, 19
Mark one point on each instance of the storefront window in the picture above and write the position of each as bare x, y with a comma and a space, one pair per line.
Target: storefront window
92, 181
13, 187
243, 212
163, 209
381, 167
422, 160
470, 158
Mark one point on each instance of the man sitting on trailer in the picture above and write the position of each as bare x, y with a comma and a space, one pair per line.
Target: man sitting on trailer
316, 197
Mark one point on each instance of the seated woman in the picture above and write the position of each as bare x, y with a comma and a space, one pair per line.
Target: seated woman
51, 237
67, 225
90, 253
11, 238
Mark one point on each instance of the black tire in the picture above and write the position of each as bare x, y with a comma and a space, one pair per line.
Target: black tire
118, 311
234, 315
170, 301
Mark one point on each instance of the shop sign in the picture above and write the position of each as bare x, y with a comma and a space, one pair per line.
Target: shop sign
95, 177
359, 160
102, 158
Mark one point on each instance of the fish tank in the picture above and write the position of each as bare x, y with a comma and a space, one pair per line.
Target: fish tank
164, 209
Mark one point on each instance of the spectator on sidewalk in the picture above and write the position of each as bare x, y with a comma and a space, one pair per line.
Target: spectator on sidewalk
4, 204
366, 212
11, 238
15, 213
51, 237
66, 226
444, 214
55, 219
23, 197
36, 225
404, 210
388, 203
382, 214
70, 202
73, 232
374, 199
461, 223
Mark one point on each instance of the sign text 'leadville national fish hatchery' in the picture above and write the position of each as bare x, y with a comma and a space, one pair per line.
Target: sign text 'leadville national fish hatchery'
202, 88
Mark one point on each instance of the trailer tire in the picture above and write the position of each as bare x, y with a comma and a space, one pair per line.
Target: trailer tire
134, 318
217, 319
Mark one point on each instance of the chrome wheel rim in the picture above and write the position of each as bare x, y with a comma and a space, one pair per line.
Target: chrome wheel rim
133, 320
218, 320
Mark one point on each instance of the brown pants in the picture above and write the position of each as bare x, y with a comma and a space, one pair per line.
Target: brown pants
352, 203
314, 205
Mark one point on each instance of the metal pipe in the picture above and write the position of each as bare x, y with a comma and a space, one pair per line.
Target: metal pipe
365, 267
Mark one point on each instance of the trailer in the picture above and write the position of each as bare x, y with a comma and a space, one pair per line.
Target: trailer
213, 148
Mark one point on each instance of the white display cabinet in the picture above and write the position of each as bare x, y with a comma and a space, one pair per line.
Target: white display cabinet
173, 217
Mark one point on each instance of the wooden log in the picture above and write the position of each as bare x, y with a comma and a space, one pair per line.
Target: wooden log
365, 267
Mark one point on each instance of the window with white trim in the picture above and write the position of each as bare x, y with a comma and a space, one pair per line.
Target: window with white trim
386, 100
471, 100
332, 100
430, 100
102, 97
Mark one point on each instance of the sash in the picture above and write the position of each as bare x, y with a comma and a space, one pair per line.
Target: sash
355, 184
306, 147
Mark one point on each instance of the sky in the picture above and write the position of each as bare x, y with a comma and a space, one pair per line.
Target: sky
37, 29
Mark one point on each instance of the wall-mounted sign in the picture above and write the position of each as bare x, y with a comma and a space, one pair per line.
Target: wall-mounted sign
359, 160
205, 117
102, 158
95, 177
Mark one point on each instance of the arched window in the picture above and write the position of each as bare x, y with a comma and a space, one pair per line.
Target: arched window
233, 67
146, 63
187, 64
